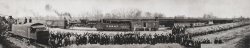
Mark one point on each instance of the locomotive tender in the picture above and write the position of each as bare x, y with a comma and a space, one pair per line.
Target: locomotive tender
36, 32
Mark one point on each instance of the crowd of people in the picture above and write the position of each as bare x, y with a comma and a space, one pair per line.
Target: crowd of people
8, 22
59, 39
65, 39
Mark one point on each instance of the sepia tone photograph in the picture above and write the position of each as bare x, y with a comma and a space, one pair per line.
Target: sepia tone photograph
124, 23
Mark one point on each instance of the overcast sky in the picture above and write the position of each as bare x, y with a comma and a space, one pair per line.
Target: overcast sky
190, 8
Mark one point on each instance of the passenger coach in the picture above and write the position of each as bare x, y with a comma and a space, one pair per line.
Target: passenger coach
128, 25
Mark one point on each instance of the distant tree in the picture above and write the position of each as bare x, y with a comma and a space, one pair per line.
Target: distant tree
122, 14
107, 16
60, 14
159, 15
97, 15
138, 14
209, 16
48, 7
148, 15
134, 13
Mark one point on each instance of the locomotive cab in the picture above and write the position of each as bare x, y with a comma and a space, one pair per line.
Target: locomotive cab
35, 28
40, 33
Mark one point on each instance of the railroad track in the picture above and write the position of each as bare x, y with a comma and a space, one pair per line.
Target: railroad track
40, 45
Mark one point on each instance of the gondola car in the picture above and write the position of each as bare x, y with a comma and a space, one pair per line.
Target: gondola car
36, 32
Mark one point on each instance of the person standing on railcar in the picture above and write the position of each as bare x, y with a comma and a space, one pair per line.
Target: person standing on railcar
25, 20
3, 25
30, 20
65, 23
11, 21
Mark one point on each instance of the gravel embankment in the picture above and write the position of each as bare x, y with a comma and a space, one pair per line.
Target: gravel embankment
20, 43
244, 43
215, 28
226, 35
6, 43
231, 38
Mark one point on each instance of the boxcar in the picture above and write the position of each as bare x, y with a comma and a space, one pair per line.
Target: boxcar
56, 23
145, 25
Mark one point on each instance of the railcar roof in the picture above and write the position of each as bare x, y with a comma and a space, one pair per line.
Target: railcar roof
30, 24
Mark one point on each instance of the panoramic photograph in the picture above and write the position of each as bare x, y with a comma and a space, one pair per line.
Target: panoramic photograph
124, 23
